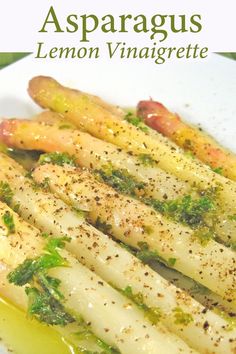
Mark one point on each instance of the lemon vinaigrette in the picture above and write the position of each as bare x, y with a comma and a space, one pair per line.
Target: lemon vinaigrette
23, 336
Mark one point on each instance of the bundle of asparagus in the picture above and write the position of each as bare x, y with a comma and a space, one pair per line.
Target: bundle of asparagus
108, 205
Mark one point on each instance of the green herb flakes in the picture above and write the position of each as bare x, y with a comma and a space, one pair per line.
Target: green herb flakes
147, 256
154, 314
45, 184
81, 213
43, 293
8, 220
57, 158
218, 170
147, 229
136, 121
182, 317
232, 217
171, 261
186, 210
46, 308
6, 193
203, 235
120, 180
65, 126
146, 160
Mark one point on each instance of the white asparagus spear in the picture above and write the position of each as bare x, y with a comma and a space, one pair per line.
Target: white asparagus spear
116, 265
132, 222
111, 316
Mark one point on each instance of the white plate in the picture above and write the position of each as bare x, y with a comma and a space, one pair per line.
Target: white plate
201, 92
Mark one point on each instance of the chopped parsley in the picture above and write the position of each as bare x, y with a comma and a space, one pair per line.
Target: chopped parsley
218, 170
120, 180
46, 308
45, 235
147, 229
25, 272
189, 154
172, 261
6, 193
45, 184
81, 213
147, 256
182, 317
43, 293
186, 210
8, 220
154, 314
65, 126
57, 158
204, 235
16, 207
146, 160
232, 217
103, 226
136, 121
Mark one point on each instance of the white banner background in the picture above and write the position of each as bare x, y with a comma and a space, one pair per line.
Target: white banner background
21, 20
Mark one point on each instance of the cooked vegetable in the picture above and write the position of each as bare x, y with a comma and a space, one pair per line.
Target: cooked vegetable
92, 153
43, 294
128, 218
157, 116
83, 291
189, 210
117, 266
17, 297
152, 206
32, 135
50, 94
